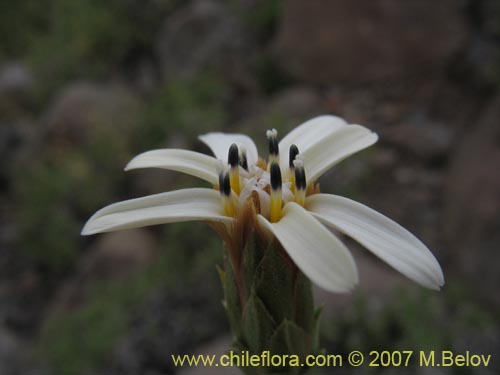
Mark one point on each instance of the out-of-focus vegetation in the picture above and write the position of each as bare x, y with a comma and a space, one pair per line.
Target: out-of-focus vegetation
69, 163
75, 38
189, 106
84, 339
415, 320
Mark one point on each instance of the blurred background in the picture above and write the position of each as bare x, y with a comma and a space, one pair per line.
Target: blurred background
87, 84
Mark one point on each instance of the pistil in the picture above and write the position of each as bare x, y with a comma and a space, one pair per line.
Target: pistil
276, 193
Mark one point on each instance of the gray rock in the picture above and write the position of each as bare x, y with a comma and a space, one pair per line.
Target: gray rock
356, 41
115, 256
489, 11
17, 139
202, 34
179, 327
481, 61
472, 204
17, 84
84, 111
15, 77
12, 355
119, 254
426, 139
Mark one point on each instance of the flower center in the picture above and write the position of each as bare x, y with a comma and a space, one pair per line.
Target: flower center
262, 184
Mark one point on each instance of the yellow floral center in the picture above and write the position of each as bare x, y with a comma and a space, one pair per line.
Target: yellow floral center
263, 184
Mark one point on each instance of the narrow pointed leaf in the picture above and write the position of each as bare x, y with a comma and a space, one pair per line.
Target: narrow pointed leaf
258, 324
291, 339
231, 298
304, 303
252, 256
275, 285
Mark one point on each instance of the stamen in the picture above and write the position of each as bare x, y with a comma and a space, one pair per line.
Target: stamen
294, 151
224, 183
243, 158
233, 157
300, 181
225, 192
233, 160
276, 193
272, 137
220, 172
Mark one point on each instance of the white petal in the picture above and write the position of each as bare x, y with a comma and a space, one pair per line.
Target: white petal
190, 162
219, 143
174, 206
308, 134
379, 234
314, 249
336, 147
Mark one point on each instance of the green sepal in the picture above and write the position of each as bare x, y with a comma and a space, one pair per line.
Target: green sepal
251, 258
274, 283
221, 273
304, 303
272, 307
290, 338
315, 330
231, 298
257, 325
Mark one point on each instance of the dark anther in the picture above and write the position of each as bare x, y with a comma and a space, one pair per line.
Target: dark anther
272, 136
233, 157
225, 187
300, 178
243, 161
221, 181
294, 151
275, 176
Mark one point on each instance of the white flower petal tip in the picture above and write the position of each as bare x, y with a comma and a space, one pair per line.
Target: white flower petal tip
308, 134
219, 143
196, 204
335, 147
190, 162
383, 237
315, 250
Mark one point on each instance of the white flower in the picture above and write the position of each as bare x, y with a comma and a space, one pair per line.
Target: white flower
284, 204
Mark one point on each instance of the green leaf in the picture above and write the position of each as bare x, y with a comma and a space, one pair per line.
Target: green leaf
304, 303
252, 256
293, 340
221, 273
315, 330
258, 325
290, 338
275, 284
232, 301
